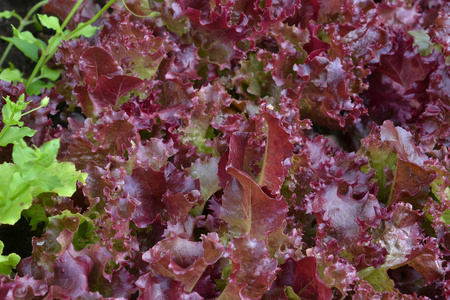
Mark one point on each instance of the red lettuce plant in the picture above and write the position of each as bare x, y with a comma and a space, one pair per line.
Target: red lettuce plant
246, 150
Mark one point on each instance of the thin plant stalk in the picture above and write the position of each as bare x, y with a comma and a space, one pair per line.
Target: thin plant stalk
23, 22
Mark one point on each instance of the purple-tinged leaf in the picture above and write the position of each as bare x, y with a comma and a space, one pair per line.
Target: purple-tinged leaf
363, 39
108, 91
345, 214
154, 153
135, 46
116, 281
328, 99
252, 271
439, 87
183, 64
71, 274
212, 29
246, 207
433, 126
184, 260
22, 288
403, 142
404, 65
403, 234
96, 62
206, 171
147, 188
410, 174
159, 287
304, 279
179, 205
111, 136
276, 161
440, 31
408, 180
315, 46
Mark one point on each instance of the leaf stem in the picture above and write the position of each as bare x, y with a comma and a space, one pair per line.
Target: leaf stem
392, 185
70, 15
4, 130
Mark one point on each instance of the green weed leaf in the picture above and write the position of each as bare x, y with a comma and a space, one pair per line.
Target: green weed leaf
15, 134
35, 215
87, 31
35, 171
51, 74
50, 22
7, 14
7, 263
11, 75
37, 85
12, 111
29, 50
15, 194
26, 36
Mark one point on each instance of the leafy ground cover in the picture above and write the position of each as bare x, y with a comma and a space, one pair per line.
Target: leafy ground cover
228, 150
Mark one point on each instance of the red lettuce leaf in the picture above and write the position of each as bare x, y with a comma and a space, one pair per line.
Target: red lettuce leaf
108, 91
304, 279
362, 37
388, 100
96, 183
433, 126
183, 64
410, 175
22, 287
71, 274
403, 142
206, 171
252, 271
439, 31
110, 281
153, 153
96, 62
87, 142
409, 179
276, 162
246, 207
179, 205
160, 287
345, 215
184, 260
403, 64
135, 46
439, 84
213, 32
406, 245
328, 99
147, 187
